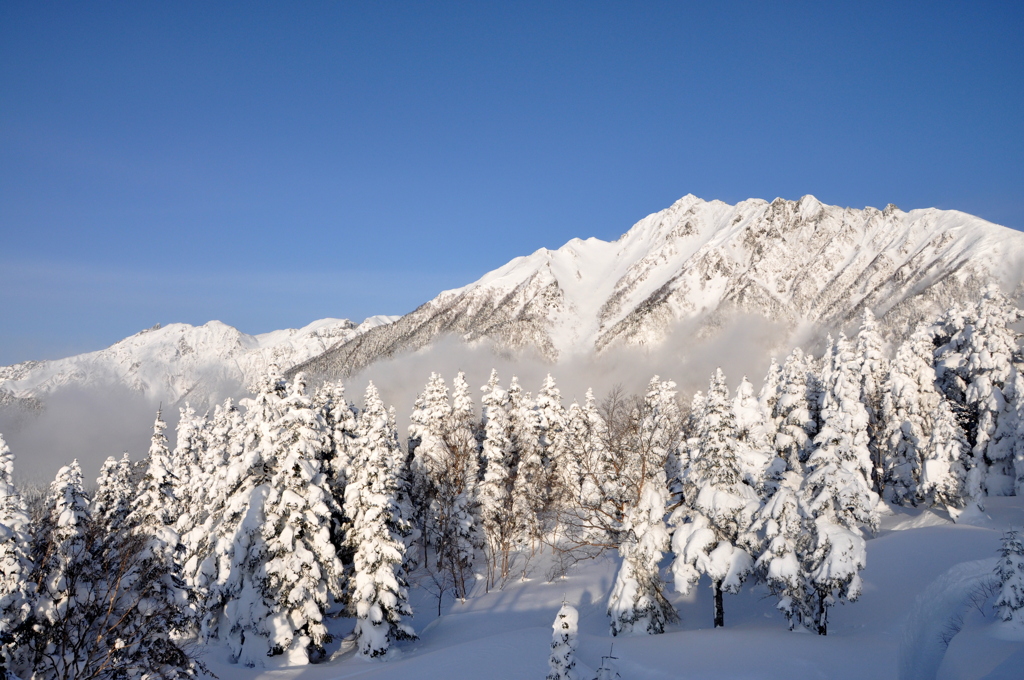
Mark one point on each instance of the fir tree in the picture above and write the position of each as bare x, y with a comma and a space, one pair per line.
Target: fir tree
302, 568
637, 603
794, 411
378, 596
563, 645
870, 352
16, 590
114, 493
720, 506
500, 529
1010, 571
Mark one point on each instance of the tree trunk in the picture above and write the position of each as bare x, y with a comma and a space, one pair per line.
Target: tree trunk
719, 614
822, 614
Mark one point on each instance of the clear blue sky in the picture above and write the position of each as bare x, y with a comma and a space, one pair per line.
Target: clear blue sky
271, 164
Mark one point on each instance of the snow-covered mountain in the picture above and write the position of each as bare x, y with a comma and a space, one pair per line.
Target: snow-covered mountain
788, 261
179, 362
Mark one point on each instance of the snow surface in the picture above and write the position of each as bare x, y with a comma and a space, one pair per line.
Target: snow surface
507, 634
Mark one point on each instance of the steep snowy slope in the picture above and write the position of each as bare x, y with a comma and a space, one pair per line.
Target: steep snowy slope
788, 261
179, 362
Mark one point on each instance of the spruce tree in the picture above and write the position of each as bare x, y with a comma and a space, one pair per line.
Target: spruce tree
499, 522
794, 412
16, 590
563, 645
378, 592
637, 604
874, 367
712, 530
302, 568
1010, 571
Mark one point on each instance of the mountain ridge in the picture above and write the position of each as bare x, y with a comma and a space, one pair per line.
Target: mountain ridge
702, 261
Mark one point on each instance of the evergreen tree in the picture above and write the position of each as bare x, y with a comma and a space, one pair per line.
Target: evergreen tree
156, 501
909, 404
551, 441
942, 471
499, 522
754, 449
836, 494
529, 488
783, 561
16, 590
874, 367
301, 567
637, 603
114, 493
794, 411
712, 531
563, 645
1010, 570
378, 596
975, 366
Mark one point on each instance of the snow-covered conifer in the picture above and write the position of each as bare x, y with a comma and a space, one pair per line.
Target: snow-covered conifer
303, 571
500, 529
114, 493
637, 603
551, 442
910, 399
1010, 570
712, 530
155, 501
529, 490
15, 566
563, 644
378, 596
942, 469
975, 367
874, 367
754, 449
794, 413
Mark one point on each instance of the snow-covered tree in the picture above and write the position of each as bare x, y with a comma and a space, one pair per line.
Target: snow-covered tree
910, 399
156, 501
1010, 570
975, 366
782, 563
754, 448
712, 530
794, 413
637, 603
836, 493
874, 367
15, 588
551, 441
563, 644
378, 592
302, 569
529, 488
942, 471
115, 493
495, 493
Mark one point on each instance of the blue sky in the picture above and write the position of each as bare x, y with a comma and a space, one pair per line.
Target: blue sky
268, 164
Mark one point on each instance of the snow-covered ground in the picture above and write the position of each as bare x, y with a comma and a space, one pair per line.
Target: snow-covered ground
507, 633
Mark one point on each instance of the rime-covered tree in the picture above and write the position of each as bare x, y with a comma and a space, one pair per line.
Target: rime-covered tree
564, 639
637, 604
870, 350
156, 499
1010, 570
378, 592
529, 489
303, 574
100, 609
836, 493
551, 438
115, 493
975, 365
499, 522
910, 399
15, 566
712, 530
942, 469
794, 413
754, 449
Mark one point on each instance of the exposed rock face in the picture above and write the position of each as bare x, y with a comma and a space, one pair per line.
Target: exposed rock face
789, 261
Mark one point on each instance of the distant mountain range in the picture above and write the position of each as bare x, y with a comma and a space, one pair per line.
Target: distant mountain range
697, 261
703, 261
